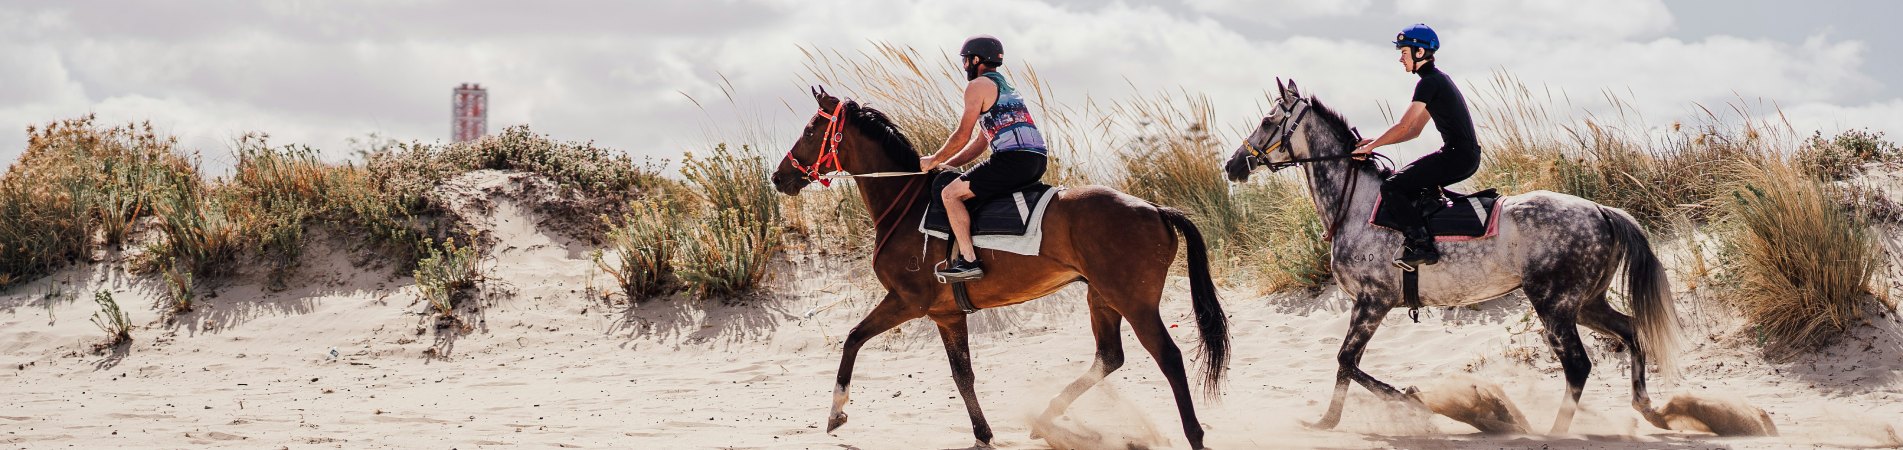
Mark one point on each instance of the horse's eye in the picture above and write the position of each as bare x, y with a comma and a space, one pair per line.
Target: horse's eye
1266, 121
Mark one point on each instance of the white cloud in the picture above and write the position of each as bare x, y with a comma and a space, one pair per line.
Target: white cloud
1598, 20
1277, 11
319, 73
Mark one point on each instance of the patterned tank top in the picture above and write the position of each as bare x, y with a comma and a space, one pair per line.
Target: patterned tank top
1009, 121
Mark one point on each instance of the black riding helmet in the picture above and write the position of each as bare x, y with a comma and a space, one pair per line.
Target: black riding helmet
989, 50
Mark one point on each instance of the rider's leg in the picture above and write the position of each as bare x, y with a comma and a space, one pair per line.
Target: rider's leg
1403, 195
954, 198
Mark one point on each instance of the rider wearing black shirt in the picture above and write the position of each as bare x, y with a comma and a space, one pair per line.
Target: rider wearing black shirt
1406, 193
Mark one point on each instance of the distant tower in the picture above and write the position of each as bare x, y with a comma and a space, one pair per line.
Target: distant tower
469, 114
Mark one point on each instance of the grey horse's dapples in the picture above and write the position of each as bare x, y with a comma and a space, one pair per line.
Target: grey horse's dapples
1563, 251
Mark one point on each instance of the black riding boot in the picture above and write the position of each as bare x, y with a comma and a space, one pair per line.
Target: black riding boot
1417, 249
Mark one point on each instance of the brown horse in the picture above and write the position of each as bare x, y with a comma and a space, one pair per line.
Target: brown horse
1119, 245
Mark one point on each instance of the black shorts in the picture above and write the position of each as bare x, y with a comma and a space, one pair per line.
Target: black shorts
1004, 173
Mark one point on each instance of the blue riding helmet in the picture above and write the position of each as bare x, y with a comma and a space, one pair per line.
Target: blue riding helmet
1418, 36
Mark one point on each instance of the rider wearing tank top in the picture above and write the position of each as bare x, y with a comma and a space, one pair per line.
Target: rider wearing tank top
1018, 151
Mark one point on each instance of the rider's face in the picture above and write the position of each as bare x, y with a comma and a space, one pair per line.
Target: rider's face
1407, 58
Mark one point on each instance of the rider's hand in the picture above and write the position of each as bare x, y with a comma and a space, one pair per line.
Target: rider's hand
1361, 152
926, 163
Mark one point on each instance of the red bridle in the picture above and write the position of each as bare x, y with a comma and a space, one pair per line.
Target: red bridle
829, 153
828, 147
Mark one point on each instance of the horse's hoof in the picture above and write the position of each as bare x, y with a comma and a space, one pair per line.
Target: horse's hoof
1413, 394
835, 422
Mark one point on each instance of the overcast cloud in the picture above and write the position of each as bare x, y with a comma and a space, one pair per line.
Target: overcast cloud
321, 72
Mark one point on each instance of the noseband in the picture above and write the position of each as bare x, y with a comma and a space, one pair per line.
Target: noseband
828, 147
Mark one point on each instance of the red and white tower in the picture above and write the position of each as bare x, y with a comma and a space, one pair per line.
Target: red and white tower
469, 114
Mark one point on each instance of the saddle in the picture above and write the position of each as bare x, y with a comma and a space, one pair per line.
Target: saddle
1004, 215
1456, 216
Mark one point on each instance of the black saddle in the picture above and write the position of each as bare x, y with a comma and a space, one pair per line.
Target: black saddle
1456, 214
1008, 214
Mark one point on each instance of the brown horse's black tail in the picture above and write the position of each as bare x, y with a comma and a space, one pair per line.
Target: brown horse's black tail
1210, 321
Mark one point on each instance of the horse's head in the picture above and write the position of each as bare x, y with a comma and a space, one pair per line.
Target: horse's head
817, 148
1278, 141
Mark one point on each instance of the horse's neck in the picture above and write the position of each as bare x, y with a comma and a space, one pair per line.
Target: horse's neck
1336, 196
886, 195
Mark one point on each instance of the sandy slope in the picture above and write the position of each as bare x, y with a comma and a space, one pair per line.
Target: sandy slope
546, 366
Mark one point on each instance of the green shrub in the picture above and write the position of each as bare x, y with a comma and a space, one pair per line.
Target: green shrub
111, 320
725, 254
641, 247
445, 276
1844, 155
738, 231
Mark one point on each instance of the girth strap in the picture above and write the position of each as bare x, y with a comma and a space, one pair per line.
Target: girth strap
963, 297
1411, 293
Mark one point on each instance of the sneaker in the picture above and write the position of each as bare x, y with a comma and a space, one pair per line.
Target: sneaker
961, 270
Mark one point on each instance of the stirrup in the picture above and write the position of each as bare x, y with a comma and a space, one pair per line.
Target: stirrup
945, 276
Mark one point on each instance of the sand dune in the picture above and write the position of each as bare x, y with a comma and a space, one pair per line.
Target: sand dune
545, 364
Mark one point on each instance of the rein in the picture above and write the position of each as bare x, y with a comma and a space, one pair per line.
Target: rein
1260, 155
829, 153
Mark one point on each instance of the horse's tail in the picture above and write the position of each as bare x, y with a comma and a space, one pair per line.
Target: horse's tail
1650, 292
1202, 293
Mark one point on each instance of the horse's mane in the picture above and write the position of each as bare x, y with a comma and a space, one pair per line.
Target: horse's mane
1333, 122
876, 125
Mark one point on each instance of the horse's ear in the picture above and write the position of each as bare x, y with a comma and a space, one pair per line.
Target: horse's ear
1280, 88
1293, 92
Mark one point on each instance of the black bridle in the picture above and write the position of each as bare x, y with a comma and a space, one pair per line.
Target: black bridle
1295, 112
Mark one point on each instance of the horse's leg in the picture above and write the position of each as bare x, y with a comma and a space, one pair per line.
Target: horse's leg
1148, 325
1599, 315
1361, 327
1108, 327
889, 313
951, 328
1560, 317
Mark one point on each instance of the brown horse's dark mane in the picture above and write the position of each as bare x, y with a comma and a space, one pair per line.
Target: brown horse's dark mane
876, 125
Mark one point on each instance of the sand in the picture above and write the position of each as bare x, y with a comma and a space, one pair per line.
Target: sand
547, 364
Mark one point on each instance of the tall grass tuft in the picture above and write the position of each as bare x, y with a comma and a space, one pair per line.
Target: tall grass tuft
1803, 261
275, 192
642, 246
77, 186
1615, 159
112, 320
1281, 247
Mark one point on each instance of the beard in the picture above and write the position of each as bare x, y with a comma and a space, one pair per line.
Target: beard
971, 72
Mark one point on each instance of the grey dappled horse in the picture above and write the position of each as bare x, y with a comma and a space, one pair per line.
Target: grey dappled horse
1563, 251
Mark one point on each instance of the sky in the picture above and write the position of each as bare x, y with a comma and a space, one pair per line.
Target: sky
621, 74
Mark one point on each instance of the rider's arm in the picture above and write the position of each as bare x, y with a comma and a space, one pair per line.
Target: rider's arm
1412, 122
960, 148
971, 151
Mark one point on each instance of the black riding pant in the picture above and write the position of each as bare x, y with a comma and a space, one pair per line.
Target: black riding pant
1005, 172
1422, 179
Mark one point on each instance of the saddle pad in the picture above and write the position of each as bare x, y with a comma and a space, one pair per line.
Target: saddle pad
1470, 216
1006, 215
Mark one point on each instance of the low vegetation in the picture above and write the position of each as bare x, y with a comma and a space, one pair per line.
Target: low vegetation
1803, 260
112, 320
